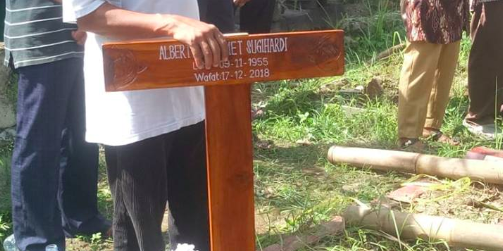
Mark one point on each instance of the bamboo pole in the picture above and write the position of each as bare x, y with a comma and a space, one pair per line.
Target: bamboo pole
309, 237
456, 233
408, 162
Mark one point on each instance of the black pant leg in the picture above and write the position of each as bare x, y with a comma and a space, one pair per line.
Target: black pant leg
218, 12
203, 8
123, 230
187, 189
485, 65
137, 174
256, 16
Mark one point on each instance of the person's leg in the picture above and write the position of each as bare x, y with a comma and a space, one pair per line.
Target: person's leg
439, 97
79, 167
495, 14
187, 189
137, 177
485, 67
123, 230
256, 16
416, 80
43, 96
203, 9
219, 13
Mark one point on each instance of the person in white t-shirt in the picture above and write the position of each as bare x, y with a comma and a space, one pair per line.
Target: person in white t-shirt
154, 139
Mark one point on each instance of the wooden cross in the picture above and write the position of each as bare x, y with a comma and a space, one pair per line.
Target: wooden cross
253, 58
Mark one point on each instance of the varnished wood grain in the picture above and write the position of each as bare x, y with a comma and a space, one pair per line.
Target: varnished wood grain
230, 167
142, 65
255, 58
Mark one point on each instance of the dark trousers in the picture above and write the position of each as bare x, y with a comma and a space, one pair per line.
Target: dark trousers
145, 174
54, 171
485, 66
256, 16
219, 13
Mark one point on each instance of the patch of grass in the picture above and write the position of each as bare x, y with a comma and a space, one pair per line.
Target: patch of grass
105, 204
377, 27
4, 183
5, 226
11, 89
5, 209
94, 242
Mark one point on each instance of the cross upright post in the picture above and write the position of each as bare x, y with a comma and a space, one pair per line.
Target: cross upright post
144, 65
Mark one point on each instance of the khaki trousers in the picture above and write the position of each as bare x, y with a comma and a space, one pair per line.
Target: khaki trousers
425, 83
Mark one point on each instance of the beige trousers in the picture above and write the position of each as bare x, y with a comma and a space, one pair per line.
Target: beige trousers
425, 82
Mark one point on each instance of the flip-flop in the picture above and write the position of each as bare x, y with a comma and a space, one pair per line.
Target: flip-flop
439, 136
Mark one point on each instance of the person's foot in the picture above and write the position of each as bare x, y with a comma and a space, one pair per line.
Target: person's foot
436, 135
98, 224
485, 131
413, 145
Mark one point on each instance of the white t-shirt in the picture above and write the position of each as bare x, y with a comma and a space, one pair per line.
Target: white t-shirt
120, 118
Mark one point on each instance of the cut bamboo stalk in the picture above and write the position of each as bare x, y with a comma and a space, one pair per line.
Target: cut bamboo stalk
456, 233
299, 240
407, 162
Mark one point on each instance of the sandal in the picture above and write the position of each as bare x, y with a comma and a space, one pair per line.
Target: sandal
438, 136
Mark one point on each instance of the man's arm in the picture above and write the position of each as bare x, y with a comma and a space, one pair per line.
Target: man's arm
206, 42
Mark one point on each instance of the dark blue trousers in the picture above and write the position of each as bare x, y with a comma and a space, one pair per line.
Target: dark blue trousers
54, 171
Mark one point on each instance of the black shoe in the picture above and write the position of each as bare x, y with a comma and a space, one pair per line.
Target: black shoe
95, 225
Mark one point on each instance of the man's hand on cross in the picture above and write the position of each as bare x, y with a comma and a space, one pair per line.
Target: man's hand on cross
206, 42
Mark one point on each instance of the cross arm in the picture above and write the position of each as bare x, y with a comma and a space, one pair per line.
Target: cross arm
253, 58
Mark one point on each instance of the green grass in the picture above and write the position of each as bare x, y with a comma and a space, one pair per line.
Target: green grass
5, 210
295, 185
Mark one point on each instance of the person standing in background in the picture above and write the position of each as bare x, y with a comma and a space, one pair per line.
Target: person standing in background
217, 12
485, 68
54, 171
434, 30
255, 16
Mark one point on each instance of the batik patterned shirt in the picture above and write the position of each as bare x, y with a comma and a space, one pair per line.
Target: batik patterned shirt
435, 21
